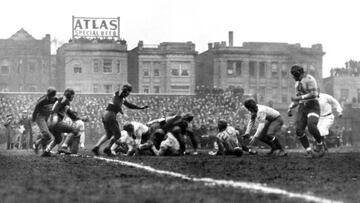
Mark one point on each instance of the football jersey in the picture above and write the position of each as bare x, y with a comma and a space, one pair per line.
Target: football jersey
228, 138
139, 130
263, 114
170, 143
307, 85
127, 139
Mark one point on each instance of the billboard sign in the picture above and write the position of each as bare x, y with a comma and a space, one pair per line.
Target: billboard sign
104, 28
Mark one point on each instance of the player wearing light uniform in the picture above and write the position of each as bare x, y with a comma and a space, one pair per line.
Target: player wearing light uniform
307, 94
326, 120
269, 126
226, 142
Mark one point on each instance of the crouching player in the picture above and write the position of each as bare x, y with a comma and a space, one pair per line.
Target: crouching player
226, 142
73, 142
270, 123
56, 123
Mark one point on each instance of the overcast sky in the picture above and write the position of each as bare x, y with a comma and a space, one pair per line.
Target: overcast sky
335, 24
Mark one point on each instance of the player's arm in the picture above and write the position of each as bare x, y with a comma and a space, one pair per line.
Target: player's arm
250, 124
335, 104
260, 128
133, 106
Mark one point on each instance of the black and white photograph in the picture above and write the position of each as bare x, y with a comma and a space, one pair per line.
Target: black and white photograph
157, 101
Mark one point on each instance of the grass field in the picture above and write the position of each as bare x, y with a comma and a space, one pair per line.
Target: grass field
26, 177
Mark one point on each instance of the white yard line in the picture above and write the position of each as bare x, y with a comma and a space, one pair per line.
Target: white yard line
229, 183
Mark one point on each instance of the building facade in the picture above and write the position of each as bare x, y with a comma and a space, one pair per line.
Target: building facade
259, 68
92, 65
344, 88
24, 63
165, 68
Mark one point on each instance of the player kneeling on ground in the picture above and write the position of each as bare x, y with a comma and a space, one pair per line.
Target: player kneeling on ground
126, 144
226, 142
270, 123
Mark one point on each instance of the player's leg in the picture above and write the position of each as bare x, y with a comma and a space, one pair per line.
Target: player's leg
313, 109
71, 133
300, 125
108, 133
115, 131
272, 133
45, 136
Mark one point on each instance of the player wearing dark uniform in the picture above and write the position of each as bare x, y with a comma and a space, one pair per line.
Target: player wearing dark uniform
307, 94
41, 114
269, 126
56, 120
111, 125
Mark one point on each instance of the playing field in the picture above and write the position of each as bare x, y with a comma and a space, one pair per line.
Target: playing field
25, 177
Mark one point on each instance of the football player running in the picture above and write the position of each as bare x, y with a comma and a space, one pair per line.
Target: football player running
326, 120
307, 94
269, 126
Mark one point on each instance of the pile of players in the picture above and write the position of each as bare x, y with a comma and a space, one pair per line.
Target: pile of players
166, 136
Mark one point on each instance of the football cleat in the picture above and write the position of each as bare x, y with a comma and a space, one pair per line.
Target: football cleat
319, 149
46, 154
95, 150
64, 150
107, 151
36, 148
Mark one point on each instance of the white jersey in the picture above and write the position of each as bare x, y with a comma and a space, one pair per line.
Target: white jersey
228, 138
263, 114
139, 130
327, 103
169, 144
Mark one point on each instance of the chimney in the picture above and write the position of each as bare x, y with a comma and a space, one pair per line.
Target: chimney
210, 46
231, 39
223, 44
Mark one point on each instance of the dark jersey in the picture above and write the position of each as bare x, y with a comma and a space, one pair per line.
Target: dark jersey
115, 105
43, 107
62, 108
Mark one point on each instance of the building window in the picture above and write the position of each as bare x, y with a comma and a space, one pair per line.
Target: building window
146, 89
284, 96
31, 66
234, 68
118, 66
230, 68
284, 71
344, 93
274, 70
180, 68
4, 87
175, 72
180, 87
358, 95
108, 88
146, 72
96, 65
96, 88
275, 94
156, 72
157, 89
5, 70
107, 66
77, 68
262, 69
184, 72
238, 67
252, 69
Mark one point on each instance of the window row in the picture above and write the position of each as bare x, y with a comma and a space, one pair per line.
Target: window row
235, 69
100, 65
31, 66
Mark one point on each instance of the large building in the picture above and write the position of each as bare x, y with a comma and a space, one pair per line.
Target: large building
165, 68
24, 63
259, 68
345, 88
92, 65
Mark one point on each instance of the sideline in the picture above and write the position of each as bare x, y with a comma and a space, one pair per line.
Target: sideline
228, 183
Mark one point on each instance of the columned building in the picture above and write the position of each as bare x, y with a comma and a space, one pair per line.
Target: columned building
259, 68
92, 65
166, 68
24, 63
